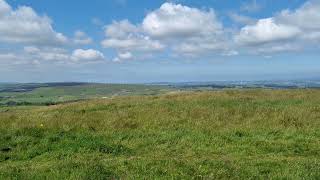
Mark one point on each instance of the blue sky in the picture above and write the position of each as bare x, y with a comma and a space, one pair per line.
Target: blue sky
155, 41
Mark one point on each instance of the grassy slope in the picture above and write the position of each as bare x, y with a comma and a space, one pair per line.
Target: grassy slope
227, 134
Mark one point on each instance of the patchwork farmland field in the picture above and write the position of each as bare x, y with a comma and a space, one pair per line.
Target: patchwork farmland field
55, 93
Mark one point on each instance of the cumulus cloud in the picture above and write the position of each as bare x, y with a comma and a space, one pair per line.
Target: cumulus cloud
121, 29
123, 56
187, 31
24, 25
184, 30
46, 54
81, 38
174, 27
140, 43
86, 55
288, 30
175, 20
265, 31
171, 28
35, 56
4, 8
125, 36
306, 17
56, 55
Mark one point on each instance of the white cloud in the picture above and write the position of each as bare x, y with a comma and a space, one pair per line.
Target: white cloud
124, 36
59, 55
87, 55
306, 17
175, 20
81, 38
125, 55
289, 30
139, 43
54, 56
121, 29
184, 30
24, 25
4, 8
46, 54
31, 49
265, 31
174, 27
16, 59
187, 31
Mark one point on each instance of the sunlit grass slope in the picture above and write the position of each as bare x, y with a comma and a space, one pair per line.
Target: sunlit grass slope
258, 134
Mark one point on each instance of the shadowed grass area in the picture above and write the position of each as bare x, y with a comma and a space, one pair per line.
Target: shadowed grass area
257, 134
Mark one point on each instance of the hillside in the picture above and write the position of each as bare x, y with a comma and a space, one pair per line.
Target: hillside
231, 134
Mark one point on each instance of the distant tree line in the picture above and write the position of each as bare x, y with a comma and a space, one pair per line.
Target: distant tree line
25, 103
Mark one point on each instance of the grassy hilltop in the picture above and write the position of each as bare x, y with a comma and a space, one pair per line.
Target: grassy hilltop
233, 134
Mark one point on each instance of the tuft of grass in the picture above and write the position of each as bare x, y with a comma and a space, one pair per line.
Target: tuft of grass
233, 134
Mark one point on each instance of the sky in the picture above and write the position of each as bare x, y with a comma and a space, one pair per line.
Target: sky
130, 41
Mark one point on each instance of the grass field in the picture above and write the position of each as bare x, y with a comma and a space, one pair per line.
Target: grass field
231, 134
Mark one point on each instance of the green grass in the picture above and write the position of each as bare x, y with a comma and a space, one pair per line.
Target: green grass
251, 134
